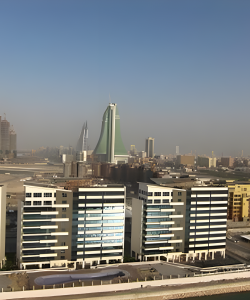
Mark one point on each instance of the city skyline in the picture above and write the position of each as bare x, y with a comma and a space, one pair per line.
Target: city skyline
178, 70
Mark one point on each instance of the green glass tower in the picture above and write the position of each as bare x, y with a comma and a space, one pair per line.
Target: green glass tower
110, 147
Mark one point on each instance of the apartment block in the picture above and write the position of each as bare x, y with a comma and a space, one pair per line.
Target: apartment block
206, 221
227, 162
187, 160
168, 223
83, 225
239, 201
158, 221
2, 224
207, 162
98, 232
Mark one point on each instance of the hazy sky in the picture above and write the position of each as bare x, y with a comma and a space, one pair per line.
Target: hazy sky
178, 70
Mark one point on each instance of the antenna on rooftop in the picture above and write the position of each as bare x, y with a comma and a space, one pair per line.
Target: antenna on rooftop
5, 116
109, 98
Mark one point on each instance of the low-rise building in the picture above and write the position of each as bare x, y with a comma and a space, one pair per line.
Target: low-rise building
239, 201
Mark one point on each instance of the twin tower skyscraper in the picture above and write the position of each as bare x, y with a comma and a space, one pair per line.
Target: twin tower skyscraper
110, 147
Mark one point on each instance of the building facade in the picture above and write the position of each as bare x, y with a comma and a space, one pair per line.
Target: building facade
110, 147
82, 147
8, 138
168, 223
5, 137
186, 160
57, 226
158, 222
227, 162
239, 201
206, 221
207, 162
149, 147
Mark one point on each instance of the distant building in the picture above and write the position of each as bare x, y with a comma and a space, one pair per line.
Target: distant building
171, 222
149, 147
186, 160
2, 224
81, 147
227, 162
13, 141
7, 139
207, 162
133, 150
110, 147
239, 201
158, 222
142, 154
177, 150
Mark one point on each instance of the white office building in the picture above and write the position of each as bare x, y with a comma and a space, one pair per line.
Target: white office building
158, 221
57, 227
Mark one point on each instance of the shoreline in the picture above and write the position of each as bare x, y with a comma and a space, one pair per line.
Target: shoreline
172, 292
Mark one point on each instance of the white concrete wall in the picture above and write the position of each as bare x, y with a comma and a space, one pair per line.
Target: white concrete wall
137, 223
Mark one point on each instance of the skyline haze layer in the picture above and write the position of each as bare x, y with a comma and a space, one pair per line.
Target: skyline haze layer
178, 71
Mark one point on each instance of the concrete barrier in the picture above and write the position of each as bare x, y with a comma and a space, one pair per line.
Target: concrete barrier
120, 287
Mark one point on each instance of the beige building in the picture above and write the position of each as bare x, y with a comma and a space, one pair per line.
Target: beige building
187, 160
207, 162
227, 162
2, 224
238, 201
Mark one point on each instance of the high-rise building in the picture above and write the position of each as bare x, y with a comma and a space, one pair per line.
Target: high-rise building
149, 148
83, 225
173, 222
81, 147
186, 160
7, 139
158, 222
13, 141
177, 150
2, 224
227, 161
207, 162
5, 136
110, 147
82, 141
206, 220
